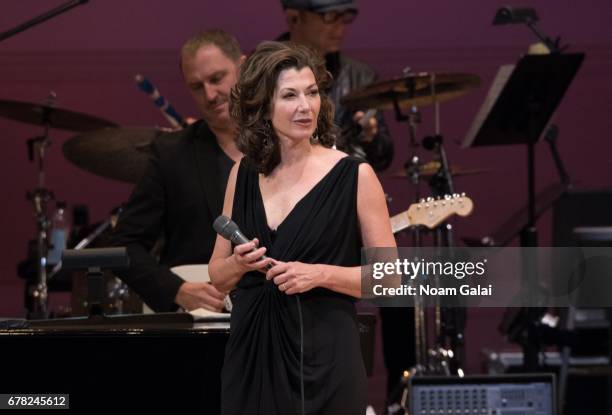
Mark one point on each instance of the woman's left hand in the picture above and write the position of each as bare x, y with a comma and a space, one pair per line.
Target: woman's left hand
295, 277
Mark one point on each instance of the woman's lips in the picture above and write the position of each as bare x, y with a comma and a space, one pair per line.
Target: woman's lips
303, 123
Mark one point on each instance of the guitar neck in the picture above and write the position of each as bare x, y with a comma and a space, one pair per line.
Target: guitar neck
400, 222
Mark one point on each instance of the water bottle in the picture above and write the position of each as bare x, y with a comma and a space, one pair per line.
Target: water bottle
59, 233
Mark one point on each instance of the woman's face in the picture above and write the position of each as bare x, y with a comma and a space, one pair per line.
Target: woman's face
295, 104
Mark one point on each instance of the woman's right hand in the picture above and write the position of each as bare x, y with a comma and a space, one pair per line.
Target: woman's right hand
248, 257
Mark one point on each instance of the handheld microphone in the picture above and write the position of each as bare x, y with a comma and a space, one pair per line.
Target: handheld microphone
165, 107
228, 229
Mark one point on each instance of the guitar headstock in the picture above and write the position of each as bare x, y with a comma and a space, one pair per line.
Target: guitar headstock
431, 212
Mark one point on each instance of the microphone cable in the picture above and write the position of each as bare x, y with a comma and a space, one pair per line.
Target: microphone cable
299, 307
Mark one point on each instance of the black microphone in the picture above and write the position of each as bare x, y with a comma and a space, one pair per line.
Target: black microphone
228, 229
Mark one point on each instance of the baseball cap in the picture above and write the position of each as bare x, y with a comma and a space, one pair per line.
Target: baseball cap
320, 6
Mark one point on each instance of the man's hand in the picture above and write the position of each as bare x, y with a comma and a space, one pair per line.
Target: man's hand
192, 295
188, 120
369, 127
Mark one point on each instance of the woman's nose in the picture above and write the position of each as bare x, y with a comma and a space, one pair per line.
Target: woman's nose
303, 104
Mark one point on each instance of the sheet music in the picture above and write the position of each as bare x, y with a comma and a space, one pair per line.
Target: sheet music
503, 74
202, 314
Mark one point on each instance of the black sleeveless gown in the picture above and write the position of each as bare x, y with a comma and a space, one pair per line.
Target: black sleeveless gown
261, 373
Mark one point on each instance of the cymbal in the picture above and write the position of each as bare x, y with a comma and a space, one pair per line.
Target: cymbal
420, 89
115, 153
427, 170
56, 117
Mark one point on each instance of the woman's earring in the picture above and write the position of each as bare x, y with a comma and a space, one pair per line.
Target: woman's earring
267, 132
314, 139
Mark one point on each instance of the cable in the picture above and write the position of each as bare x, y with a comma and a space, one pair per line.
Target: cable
299, 307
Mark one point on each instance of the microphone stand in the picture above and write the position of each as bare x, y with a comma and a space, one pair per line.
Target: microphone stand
41, 18
39, 198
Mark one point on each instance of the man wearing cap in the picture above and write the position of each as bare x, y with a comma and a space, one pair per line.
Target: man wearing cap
321, 24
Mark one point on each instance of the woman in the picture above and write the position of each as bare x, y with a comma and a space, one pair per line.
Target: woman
294, 345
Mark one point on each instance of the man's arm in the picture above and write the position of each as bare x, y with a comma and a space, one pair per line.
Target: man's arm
374, 138
140, 225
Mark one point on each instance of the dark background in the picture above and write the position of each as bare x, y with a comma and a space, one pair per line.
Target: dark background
90, 55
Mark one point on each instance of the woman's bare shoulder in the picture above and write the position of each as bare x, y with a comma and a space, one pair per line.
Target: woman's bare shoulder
331, 155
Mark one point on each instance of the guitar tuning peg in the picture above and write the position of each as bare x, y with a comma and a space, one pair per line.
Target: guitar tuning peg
462, 194
447, 197
422, 200
429, 199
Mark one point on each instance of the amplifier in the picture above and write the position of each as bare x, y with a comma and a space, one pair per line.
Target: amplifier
525, 394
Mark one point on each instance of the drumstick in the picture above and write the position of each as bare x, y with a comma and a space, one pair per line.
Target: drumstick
164, 106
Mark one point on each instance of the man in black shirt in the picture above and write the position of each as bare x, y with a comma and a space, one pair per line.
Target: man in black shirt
182, 191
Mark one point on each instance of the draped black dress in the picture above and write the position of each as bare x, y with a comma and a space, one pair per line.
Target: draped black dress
261, 373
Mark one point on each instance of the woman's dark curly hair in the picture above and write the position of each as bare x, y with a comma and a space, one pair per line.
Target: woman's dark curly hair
252, 96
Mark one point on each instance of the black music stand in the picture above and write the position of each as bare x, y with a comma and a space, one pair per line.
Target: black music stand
517, 108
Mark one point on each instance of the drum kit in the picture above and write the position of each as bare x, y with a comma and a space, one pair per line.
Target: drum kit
122, 153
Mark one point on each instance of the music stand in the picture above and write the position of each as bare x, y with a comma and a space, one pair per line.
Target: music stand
517, 108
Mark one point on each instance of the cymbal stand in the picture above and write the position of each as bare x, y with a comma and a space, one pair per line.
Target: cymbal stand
39, 197
434, 359
413, 171
447, 354
412, 168
414, 119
